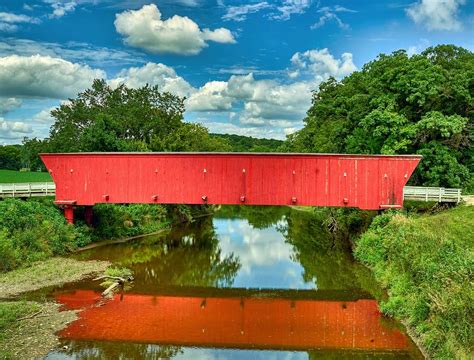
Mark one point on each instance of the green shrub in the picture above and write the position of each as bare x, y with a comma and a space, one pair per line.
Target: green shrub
115, 221
34, 230
426, 262
8, 254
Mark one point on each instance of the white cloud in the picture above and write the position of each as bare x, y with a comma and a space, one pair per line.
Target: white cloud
71, 51
153, 74
44, 76
240, 12
244, 70
278, 102
62, 8
238, 129
145, 29
8, 104
210, 97
437, 14
266, 104
418, 48
9, 21
14, 18
290, 7
329, 14
322, 64
221, 35
256, 107
269, 104
44, 116
11, 130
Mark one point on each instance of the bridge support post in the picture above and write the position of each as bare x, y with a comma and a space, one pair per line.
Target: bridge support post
69, 213
88, 215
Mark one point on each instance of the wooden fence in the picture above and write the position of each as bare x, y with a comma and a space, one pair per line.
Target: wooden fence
21, 190
421, 193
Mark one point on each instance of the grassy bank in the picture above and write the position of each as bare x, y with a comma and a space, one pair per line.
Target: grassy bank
426, 262
51, 272
27, 328
13, 176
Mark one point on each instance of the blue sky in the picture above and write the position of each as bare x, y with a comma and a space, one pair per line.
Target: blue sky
245, 67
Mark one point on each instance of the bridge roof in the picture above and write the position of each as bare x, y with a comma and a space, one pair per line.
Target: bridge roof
414, 156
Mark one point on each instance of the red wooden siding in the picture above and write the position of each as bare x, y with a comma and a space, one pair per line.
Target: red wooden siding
363, 181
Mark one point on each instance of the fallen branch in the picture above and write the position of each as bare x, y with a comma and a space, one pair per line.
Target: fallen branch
116, 278
29, 316
110, 289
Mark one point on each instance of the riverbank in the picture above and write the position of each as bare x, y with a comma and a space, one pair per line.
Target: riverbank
52, 272
426, 264
27, 329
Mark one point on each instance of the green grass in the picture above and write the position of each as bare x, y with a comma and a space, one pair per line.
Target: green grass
10, 312
51, 272
426, 262
12, 176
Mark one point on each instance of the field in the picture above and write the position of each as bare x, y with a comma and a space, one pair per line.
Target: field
11, 176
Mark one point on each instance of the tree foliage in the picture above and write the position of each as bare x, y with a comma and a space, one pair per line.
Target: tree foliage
10, 157
241, 143
400, 104
103, 118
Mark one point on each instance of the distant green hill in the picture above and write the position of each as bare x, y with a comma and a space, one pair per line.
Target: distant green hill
241, 143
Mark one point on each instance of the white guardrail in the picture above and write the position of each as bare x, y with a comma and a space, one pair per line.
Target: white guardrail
27, 189
419, 193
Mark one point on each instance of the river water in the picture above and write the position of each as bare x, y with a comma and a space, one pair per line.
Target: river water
246, 283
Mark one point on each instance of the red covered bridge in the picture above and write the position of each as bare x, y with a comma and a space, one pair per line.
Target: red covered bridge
364, 181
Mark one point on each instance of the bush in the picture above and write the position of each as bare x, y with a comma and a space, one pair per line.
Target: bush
427, 263
115, 221
34, 230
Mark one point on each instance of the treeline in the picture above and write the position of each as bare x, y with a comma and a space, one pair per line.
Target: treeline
239, 143
400, 104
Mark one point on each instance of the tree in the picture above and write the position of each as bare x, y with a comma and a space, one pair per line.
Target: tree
10, 157
400, 104
103, 118
30, 153
189, 137
241, 143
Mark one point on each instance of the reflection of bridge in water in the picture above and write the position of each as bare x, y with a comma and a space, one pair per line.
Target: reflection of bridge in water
294, 321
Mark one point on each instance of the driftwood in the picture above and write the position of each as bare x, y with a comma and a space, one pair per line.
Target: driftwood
110, 289
116, 278
118, 282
